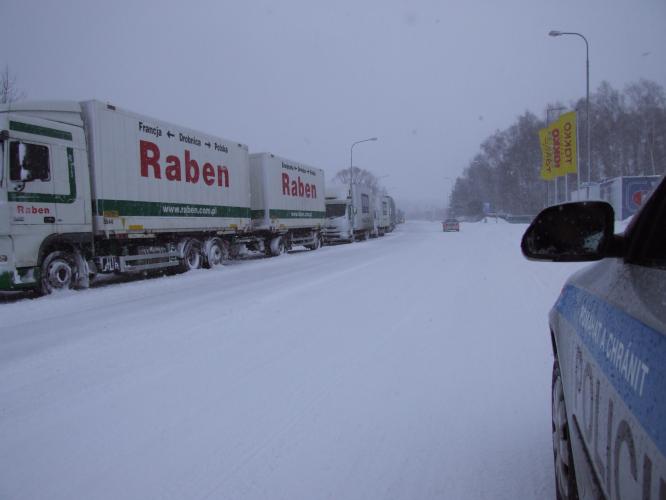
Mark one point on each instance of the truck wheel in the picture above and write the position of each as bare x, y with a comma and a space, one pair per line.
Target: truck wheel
59, 272
216, 252
317, 243
277, 246
565, 477
191, 251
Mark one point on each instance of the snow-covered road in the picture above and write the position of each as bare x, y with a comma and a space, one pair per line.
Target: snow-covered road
413, 366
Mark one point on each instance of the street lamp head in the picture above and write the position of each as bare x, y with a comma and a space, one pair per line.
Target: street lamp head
554, 33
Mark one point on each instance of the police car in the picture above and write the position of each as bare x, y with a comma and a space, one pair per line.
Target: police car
608, 331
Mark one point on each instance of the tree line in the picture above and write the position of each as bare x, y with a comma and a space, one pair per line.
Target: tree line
628, 137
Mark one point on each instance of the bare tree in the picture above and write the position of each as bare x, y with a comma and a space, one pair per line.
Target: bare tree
628, 138
9, 90
361, 176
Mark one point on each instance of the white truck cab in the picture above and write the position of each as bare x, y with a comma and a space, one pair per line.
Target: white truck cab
349, 215
44, 185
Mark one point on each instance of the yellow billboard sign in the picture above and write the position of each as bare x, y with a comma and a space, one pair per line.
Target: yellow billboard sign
566, 130
559, 147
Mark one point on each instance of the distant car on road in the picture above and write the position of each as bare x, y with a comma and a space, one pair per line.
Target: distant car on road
608, 332
450, 225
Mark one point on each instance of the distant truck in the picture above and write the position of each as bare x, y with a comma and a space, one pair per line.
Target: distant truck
288, 204
393, 212
87, 188
349, 214
386, 215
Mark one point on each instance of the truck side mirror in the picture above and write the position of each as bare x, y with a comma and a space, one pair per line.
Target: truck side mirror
4, 135
570, 232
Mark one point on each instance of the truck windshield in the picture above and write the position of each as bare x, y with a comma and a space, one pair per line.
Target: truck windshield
336, 209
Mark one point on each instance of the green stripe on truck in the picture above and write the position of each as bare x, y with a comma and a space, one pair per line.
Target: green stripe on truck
38, 130
6, 281
129, 208
296, 214
288, 214
30, 274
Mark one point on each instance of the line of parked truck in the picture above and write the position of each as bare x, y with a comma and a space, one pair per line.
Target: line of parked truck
89, 189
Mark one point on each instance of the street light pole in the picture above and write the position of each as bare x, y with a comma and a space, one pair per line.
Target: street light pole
351, 177
587, 99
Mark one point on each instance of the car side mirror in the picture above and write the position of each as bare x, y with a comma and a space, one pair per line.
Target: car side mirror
570, 232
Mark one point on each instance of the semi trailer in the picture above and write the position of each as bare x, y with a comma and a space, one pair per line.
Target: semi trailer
389, 212
87, 188
288, 204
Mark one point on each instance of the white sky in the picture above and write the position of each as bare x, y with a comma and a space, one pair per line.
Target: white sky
305, 79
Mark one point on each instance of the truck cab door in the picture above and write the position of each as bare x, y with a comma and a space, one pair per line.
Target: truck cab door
30, 185
70, 204
42, 180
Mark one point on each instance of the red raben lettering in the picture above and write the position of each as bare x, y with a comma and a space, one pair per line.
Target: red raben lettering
297, 187
150, 161
191, 169
173, 168
20, 209
208, 173
146, 160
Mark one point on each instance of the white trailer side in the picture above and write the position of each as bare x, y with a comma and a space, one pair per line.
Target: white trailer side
286, 194
151, 176
385, 213
363, 201
288, 202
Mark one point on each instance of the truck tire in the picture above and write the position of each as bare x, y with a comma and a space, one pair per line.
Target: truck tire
191, 252
83, 271
216, 252
277, 246
316, 245
58, 272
